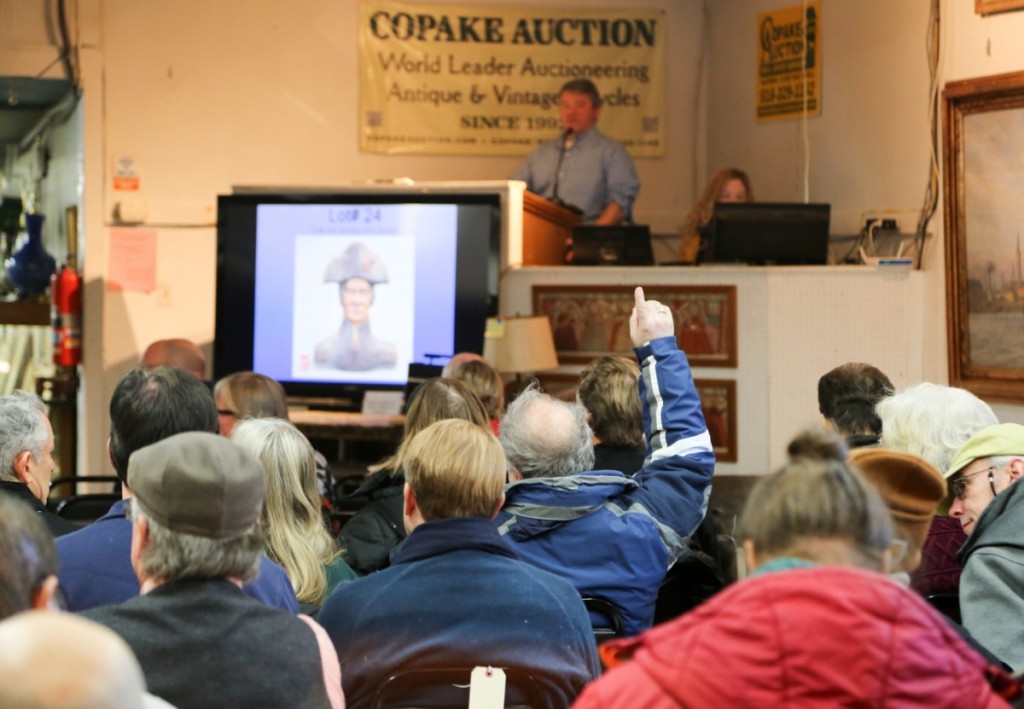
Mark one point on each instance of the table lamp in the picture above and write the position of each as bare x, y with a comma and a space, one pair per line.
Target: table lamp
520, 344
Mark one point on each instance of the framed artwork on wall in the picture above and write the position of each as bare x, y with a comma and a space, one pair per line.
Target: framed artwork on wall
590, 321
991, 7
984, 178
718, 402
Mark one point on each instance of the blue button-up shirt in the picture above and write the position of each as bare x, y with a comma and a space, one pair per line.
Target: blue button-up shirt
595, 171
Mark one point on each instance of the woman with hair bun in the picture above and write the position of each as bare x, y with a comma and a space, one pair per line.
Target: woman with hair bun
817, 623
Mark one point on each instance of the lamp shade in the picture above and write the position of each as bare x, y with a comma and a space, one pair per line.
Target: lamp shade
520, 344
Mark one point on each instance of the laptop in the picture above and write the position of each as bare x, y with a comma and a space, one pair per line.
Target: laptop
767, 233
622, 245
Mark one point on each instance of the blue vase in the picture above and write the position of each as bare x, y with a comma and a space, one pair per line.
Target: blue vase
30, 268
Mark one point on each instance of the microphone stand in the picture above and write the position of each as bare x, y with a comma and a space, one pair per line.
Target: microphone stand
558, 168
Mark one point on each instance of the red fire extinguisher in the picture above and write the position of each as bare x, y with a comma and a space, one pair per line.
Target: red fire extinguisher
66, 302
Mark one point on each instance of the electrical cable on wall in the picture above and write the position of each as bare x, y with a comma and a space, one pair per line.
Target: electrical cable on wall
699, 123
804, 129
933, 45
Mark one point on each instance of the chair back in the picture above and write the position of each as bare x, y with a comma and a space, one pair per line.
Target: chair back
609, 621
947, 603
83, 509
448, 688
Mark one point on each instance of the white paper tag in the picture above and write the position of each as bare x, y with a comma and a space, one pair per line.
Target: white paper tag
382, 403
487, 688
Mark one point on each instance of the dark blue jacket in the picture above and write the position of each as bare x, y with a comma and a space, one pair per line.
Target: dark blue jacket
456, 594
615, 536
96, 568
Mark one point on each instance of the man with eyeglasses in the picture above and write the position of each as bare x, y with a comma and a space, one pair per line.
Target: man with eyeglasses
990, 507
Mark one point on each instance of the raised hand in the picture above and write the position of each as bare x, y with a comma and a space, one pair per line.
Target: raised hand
649, 320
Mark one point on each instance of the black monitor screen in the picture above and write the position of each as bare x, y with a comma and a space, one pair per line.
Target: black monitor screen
767, 233
331, 294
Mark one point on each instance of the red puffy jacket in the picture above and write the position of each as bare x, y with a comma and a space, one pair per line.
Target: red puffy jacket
817, 637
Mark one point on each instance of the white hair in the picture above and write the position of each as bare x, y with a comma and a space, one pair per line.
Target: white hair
932, 421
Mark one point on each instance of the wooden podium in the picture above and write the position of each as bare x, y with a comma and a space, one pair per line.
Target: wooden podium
546, 226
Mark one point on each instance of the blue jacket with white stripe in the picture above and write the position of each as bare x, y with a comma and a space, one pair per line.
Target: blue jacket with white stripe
615, 536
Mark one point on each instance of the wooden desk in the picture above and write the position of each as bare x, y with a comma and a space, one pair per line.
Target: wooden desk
347, 426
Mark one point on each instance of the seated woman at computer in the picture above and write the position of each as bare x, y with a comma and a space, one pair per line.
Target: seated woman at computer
727, 185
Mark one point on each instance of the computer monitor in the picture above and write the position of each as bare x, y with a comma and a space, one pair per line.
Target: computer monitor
282, 260
768, 233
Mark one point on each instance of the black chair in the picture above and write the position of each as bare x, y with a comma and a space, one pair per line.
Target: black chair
610, 630
66, 502
693, 579
83, 509
448, 688
947, 603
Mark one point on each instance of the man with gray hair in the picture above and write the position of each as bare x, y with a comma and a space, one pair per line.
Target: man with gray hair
196, 538
26, 456
613, 536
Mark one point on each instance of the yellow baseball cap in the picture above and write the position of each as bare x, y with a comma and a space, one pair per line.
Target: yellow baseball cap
1001, 439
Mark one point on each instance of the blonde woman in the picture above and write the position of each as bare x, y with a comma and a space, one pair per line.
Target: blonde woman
248, 395
728, 185
296, 535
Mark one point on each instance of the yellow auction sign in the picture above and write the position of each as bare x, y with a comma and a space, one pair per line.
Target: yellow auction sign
484, 80
789, 62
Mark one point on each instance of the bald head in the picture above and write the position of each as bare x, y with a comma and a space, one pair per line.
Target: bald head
63, 661
545, 437
178, 352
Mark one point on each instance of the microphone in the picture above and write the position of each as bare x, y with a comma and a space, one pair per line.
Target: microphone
558, 168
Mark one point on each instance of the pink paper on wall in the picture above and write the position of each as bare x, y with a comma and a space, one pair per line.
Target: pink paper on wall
132, 260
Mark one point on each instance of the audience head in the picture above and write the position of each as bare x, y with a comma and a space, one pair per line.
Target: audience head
248, 395
987, 464
151, 405
932, 421
453, 469
545, 437
26, 443
28, 559
62, 661
911, 488
177, 352
479, 375
296, 536
609, 393
434, 400
847, 396
818, 508
196, 509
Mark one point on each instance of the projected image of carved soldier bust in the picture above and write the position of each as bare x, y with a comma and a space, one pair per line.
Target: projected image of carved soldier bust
357, 271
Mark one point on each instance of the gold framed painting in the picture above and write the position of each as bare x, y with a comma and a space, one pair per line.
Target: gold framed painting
589, 321
984, 178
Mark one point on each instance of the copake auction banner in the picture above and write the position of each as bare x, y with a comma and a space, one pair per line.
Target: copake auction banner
455, 79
